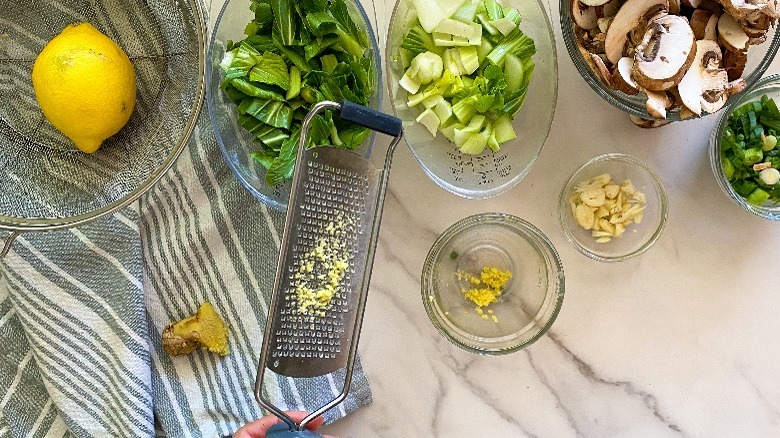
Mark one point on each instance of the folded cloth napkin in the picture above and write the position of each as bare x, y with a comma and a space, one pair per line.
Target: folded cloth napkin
82, 311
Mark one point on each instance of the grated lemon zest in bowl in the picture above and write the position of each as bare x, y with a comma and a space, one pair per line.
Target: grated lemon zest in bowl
492, 281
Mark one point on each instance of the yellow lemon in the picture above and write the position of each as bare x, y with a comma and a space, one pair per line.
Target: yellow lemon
85, 85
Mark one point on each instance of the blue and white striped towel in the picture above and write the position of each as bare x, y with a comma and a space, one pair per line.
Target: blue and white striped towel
81, 313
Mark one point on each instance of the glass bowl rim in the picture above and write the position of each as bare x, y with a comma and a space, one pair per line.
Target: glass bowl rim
267, 200
519, 226
766, 212
564, 210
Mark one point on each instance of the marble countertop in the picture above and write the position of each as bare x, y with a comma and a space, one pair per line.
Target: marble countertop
679, 342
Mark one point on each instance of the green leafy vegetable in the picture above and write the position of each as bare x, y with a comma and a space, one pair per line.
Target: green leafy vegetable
749, 152
418, 41
271, 70
296, 53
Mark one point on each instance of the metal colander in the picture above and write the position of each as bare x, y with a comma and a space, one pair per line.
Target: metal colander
45, 182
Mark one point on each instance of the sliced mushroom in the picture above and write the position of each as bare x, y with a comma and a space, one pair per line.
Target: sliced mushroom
656, 104
685, 113
621, 76
760, 14
597, 65
735, 86
703, 88
647, 123
608, 9
699, 20
674, 7
731, 35
585, 17
594, 2
665, 53
626, 19
734, 63
691, 3
604, 23
711, 31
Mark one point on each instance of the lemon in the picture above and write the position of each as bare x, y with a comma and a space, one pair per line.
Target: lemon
85, 85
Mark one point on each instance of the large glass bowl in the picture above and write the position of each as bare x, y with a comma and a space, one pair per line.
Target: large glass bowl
530, 300
770, 86
490, 173
234, 141
759, 59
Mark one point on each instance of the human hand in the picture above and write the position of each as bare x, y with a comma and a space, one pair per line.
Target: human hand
258, 429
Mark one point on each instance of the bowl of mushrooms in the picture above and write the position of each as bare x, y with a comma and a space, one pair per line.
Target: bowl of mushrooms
667, 60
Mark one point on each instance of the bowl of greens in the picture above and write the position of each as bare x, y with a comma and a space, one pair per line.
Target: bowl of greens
268, 61
744, 153
475, 83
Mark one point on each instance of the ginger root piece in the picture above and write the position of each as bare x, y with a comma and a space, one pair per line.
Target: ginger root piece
204, 329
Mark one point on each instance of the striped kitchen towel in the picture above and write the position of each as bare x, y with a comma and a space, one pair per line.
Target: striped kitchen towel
82, 310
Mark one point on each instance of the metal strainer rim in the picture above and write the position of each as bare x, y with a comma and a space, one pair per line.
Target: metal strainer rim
17, 224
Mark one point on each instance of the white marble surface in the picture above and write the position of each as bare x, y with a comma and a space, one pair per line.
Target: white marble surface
680, 342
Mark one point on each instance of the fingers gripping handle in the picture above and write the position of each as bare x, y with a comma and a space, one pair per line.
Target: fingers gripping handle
283, 431
372, 119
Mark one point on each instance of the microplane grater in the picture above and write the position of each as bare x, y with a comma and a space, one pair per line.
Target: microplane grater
336, 202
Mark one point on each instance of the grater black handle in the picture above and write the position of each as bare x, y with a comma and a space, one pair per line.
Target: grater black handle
371, 119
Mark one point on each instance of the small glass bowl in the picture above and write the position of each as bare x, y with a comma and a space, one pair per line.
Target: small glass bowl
637, 238
530, 300
770, 86
490, 173
759, 59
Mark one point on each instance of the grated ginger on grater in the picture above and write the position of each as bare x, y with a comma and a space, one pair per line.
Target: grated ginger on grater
322, 269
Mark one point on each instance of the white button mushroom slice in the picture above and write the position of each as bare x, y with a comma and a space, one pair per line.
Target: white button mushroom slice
711, 31
593, 197
626, 19
691, 3
656, 103
769, 176
647, 123
703, 88
608, 9
621, 76
594, 2
734, 64
665, 53
584, 216
597, 65
699, 20
674, 7
731, 34
584, 16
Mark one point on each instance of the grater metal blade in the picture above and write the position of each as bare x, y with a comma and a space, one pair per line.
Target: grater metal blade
328, 245
338, 187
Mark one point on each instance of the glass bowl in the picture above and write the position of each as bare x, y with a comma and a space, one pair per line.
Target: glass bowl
530, 300
234, 141
769, 86
490, 173
758, 60
638, 237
